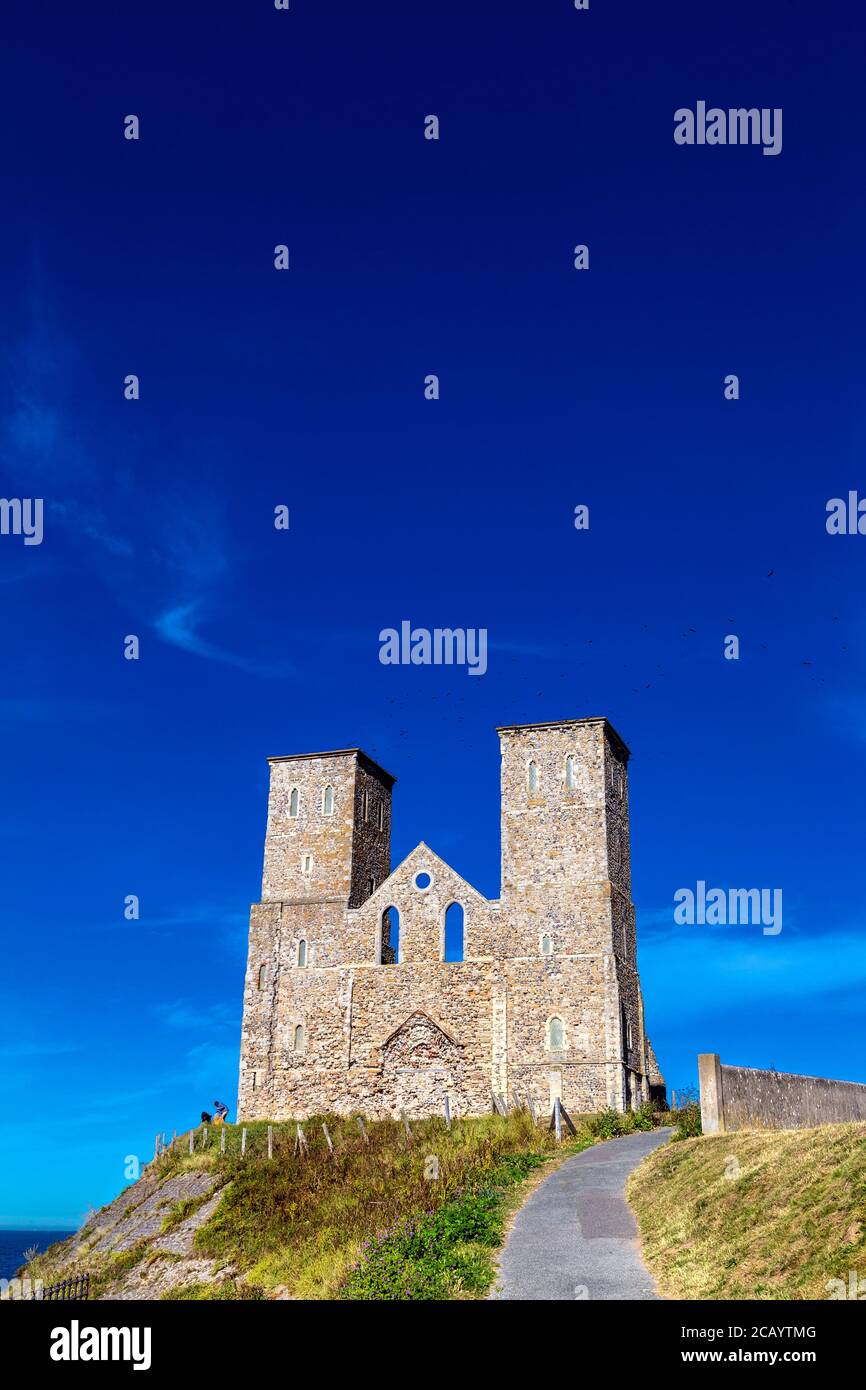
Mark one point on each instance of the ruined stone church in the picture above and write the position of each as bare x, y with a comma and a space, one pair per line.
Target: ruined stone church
352, 1002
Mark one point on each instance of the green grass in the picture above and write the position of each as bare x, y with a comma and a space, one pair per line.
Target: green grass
300, 1224
386, 1217
755, 1214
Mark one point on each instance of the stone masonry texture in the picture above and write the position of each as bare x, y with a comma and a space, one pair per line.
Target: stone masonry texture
546, 1000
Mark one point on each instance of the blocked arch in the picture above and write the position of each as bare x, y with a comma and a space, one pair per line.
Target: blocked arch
549, 1033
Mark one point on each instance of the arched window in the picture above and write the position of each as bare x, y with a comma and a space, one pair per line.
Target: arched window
454, 932
263, 976
302, 952
547, 945
300, 1041
556, 1034
328, 802
293, 802
570, 773
390, 951
532, 778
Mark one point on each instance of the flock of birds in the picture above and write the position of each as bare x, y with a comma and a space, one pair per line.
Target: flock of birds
404, 703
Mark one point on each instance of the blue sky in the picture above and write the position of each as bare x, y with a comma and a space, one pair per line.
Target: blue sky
306, 388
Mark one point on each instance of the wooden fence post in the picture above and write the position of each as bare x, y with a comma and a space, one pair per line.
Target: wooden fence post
270, 1141
191, 1140
557, 1119
565, 1116
328, 1137
364, 1134
673, 1099
447, 1110
243, 1142
531, 1108
300, 1142
204, 1136
223, 1140
156, 1147
173, 1137
406, 1126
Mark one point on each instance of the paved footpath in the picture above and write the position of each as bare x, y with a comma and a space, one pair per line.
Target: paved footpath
576, 1236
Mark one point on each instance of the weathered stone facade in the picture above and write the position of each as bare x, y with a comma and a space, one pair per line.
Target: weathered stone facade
546, 1000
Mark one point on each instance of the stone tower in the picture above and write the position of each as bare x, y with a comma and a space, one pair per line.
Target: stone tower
543, 999
566, 875
329, 828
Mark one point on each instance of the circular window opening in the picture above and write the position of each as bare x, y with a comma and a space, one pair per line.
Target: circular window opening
422, 881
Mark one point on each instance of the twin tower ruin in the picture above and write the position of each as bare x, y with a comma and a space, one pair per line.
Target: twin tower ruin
350, 1003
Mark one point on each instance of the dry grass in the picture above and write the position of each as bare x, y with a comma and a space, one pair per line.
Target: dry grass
298, 1224
756, 1214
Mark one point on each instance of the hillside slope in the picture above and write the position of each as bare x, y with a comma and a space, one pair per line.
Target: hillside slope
756, 1214
383, 1215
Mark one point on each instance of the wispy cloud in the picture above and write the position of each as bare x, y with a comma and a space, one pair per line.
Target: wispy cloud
187, 1014
19, 1051
172, 577
179, 626
39, 708
748, 971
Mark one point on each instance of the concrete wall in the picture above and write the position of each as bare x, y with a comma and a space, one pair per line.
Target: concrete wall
745, 1098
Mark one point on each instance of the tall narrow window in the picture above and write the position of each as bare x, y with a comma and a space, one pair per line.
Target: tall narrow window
366, 804
372, 886
547, 946
263, 976
300, 1038
532, 778
570, 773
556, 1034
328, 802
302, 952
381, 815
307, 865
454, 930
390, 951
293, 802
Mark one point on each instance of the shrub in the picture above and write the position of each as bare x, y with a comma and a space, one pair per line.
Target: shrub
688, 1121
443, 1253
644, 1118
607, 1124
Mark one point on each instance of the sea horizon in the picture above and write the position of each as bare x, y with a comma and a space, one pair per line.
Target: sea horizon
14, 1240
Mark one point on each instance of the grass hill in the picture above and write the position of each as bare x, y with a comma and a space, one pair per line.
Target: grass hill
755, 1214
383, 1216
